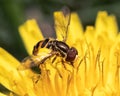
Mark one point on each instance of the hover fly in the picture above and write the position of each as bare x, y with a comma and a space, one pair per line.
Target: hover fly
57, 47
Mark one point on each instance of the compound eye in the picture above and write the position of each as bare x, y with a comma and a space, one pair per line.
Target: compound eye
71, 54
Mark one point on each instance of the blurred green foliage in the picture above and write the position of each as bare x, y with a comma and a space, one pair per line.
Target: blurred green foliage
15, 12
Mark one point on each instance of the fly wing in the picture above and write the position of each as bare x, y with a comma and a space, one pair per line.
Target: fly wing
61, 23
32, 61
47, 29
29, 62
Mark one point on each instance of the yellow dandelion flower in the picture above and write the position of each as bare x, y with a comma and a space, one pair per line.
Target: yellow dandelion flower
94, 72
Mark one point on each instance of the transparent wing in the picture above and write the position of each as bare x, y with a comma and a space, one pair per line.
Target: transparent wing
32, 62
62, 22
47, 30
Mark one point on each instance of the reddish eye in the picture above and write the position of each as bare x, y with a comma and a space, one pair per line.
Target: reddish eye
71, 54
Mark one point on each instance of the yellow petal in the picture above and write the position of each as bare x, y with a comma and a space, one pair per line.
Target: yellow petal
75, 31
7, 60
7, 68
1, 94
89, 34
30, 34
13, 80
106, 24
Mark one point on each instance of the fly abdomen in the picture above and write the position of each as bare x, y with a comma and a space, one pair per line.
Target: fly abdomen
36, 47
45, 43
41, 44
